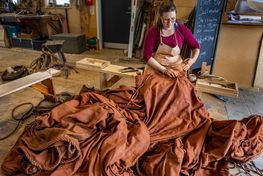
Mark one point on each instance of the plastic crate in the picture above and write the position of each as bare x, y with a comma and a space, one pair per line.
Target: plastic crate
15, 42
26, 43
12, 31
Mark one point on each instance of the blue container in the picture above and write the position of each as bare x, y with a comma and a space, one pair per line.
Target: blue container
12, 31
15, 42
26, 43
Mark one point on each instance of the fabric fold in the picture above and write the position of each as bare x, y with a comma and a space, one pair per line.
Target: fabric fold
160, 127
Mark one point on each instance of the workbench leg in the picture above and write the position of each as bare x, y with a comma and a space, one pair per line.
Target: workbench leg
49, 31
103, 81
199, 94
46, 88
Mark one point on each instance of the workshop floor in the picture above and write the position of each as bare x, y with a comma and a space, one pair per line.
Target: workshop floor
73, 84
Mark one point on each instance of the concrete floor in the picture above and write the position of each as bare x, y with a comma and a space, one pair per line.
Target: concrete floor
16, 56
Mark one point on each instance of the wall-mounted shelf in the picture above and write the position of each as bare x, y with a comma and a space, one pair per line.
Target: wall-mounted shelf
242, 23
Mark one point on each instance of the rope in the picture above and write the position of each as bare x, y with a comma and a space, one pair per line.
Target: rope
137, 91
49, 60
36, 110
249, 168
20, 120
46, 60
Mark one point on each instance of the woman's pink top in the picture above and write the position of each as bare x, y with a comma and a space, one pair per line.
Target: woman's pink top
152, 40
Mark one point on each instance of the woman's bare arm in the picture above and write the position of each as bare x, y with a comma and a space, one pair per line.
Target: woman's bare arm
155, 65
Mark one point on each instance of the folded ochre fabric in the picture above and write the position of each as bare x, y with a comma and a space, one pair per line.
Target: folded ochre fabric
157, 128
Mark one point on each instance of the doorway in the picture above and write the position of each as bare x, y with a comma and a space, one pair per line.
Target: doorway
116, 17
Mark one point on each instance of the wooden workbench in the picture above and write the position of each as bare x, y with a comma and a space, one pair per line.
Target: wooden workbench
39, 23
105, 69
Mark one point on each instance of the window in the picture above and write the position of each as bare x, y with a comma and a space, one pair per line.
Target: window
57, 3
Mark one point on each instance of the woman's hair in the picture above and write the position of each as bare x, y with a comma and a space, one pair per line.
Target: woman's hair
166, 6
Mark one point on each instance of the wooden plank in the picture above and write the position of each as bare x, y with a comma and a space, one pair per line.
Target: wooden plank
184, 12
237, 53
41, 88
92, 20
224, 83
26, 81
184, 8
258, 82
188, 3
84, 23
46, 88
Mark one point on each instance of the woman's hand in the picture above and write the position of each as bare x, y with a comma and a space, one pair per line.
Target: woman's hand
190, 61
171, 73
187, 64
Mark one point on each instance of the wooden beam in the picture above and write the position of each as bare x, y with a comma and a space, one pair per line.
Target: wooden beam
28, 81
46, 88
103, 81
258, 82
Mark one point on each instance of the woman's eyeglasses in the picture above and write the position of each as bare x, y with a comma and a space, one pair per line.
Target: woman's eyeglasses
167, 20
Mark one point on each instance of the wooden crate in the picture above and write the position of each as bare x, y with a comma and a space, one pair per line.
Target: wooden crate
92, 63
224, 88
